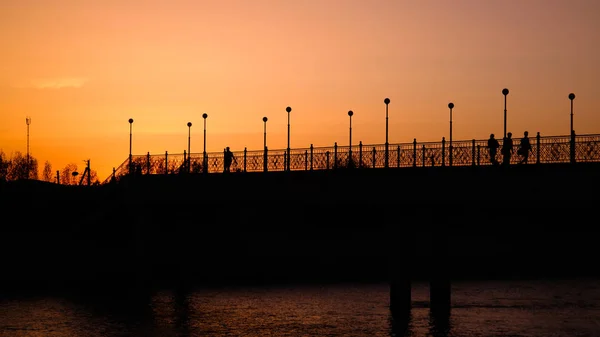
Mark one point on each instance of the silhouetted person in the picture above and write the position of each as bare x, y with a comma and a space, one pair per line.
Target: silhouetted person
507, 149
524, 148
493, 146
228, 157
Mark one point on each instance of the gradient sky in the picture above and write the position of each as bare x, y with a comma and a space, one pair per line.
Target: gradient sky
81, 68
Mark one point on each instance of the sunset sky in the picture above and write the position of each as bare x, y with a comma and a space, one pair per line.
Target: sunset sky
81, 68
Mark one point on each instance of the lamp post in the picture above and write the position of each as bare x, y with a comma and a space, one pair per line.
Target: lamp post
387, 154
505, 93
28, 121
189, 161
350, 113
450, 106
572, 152
288, 109
265, 119
130, 139
204, 168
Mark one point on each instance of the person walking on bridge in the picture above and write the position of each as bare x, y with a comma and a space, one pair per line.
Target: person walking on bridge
228, 157
507, 149
493, 146
524, 148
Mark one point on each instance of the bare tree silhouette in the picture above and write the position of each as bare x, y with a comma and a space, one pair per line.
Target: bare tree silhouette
94, 177
4, 163
47, 172
66, 174
16, 167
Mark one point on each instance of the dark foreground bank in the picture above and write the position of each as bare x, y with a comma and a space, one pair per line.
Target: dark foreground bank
524, 222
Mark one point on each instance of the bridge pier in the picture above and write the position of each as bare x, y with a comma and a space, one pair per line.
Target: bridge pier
400, 264
439, 284
400, 275
400, 294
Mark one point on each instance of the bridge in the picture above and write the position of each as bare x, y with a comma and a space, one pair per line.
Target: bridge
394, 191
545, 150
321, 219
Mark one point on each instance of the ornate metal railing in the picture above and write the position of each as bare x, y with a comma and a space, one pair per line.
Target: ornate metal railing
549, 149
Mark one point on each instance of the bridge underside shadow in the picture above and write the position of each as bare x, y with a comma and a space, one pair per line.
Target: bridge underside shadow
337, 225
408, 199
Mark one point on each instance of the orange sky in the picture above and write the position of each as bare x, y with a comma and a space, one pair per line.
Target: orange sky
82, 68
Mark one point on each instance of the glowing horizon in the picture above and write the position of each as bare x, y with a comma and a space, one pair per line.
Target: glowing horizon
80, 71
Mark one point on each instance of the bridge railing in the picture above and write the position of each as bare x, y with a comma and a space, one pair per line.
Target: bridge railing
548, 149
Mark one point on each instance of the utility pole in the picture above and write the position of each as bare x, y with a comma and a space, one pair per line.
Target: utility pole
28, 121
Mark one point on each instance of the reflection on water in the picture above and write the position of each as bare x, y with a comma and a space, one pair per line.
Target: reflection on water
567, 308
439, 323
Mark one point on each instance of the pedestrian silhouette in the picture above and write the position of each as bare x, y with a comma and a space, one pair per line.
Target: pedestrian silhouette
493, 146
507, 149
228, 157
524, 148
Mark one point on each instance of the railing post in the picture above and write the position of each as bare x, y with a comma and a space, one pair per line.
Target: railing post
398, 159
266, 160
423, 155
148, 163
572, 147
245, 155
335, 155
537, 150
374, 157
206, 159
473, 154
114, 174
305, 160
311, 156
415, 152
184, 161
166, 162
360, 161
478, 155
327, 160
443, 151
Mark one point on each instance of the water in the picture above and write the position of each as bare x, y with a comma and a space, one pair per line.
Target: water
499, 308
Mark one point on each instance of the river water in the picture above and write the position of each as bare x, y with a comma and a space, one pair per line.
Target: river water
490, 308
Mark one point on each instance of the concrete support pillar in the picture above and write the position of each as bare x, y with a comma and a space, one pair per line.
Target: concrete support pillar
440, 285
400, 274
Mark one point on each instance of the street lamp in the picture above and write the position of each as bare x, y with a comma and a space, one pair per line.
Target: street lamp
189, 161
265, 119
130, 138
387, 155
572, 97
350, 113
204, 168
504, 92
288, 109
450, 106
28, 121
